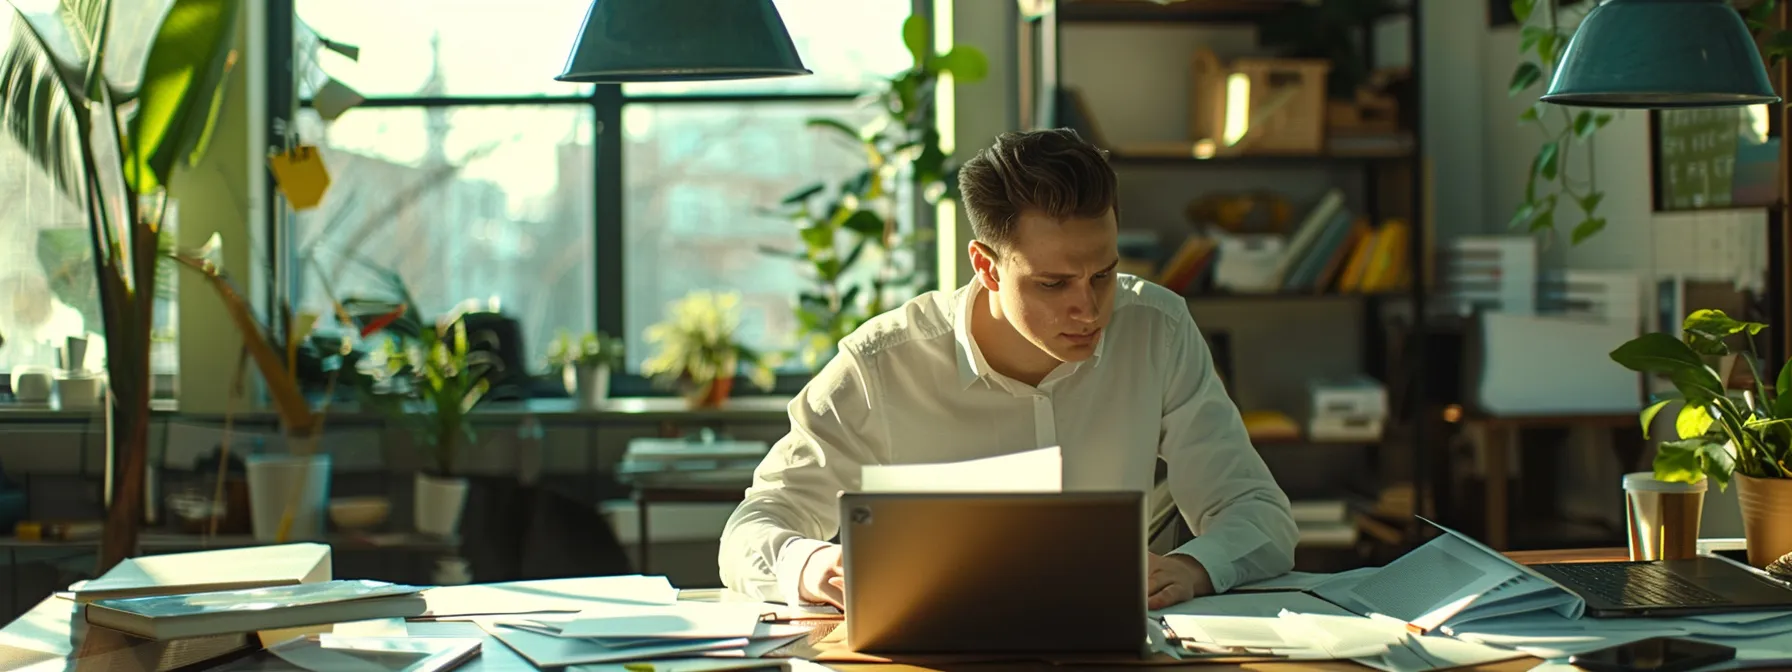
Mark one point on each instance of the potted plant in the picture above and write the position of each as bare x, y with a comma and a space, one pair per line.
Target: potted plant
430, 379
1745, 436
588, 359
698, 351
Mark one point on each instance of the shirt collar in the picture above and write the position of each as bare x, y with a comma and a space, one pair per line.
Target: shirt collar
971, 364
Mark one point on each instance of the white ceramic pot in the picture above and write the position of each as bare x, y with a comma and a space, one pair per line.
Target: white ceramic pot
273, 480
437, 504
81, 392
593, 387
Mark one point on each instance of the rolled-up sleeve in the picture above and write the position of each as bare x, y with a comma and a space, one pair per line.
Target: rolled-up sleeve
792, 510
1244, 529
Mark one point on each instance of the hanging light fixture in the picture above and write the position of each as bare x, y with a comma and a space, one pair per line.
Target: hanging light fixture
681, 40
1661, 54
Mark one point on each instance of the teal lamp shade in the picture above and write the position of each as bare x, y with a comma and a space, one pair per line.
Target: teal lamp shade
681, 40
1658, 54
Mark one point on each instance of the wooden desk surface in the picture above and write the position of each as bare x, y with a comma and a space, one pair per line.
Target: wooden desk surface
47, 639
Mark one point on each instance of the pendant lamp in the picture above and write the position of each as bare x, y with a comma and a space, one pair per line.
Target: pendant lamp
1661, 54
681, 40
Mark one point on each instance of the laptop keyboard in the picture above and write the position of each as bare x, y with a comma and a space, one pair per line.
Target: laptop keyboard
1636, 584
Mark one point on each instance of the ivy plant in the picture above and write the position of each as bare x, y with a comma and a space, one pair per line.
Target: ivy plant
1565, 131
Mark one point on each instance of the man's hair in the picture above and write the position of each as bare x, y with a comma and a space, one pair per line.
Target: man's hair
1054, 172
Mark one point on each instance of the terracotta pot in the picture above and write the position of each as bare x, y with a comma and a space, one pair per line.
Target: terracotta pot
710, 395
1766, 517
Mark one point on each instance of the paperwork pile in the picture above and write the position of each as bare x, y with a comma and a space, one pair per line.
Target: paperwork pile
620, 632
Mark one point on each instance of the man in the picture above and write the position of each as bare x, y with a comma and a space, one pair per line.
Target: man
1046, 346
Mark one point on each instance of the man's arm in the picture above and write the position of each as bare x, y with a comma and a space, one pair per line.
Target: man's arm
792, 508
1240, 516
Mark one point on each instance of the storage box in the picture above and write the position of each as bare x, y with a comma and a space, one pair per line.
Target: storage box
1258, 105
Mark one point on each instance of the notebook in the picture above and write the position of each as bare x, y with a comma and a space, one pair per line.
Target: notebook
165, 617
205, 571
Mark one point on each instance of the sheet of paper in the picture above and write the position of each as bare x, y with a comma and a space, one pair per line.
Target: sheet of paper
687, 665
566, 595
1424, 654
1299, 581
1299, 636
684, 620
1039, 470
1254, 604
549, 651
1427, 585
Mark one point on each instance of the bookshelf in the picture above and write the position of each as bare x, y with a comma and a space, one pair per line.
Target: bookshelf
1130, 63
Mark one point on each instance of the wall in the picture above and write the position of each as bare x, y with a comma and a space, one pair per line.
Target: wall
223, 194
1712, 245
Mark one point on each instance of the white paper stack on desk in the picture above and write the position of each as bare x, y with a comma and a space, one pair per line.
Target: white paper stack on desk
620, 632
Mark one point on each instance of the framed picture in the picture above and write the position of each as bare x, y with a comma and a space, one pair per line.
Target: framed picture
1713, 159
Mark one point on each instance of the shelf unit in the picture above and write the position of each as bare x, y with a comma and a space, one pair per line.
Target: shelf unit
1042, 57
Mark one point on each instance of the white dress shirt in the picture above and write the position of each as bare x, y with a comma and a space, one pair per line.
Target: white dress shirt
911, 386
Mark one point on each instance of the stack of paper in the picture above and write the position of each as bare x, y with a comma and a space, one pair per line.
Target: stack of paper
620, 632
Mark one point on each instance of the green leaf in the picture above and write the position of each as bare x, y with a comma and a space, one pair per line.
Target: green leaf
183, 82
1693, 421
1546, 160
1527, 74
819, 237
1583, 124
1680, 461
865, 223
1531, 113
1601, 119
916, 35
1549, 48
1529, 36
40, 109
1660, 353
1587, 229
1525, 212
1648, 415
803, 194
1590, 202
835, 124
966, 63
1718, 463
1782, 393
1521, 9
1715, 324
1545, 220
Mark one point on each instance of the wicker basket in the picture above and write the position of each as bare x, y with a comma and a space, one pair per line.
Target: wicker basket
1284, 112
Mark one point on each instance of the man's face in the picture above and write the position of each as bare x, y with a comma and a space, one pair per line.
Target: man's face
1055, 283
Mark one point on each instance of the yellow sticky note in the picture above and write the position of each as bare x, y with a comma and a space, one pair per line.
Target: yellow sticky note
301, 176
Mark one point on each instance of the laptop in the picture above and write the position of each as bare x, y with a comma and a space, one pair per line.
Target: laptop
995, 573
1699, 585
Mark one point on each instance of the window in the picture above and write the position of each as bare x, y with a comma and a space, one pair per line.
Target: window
700, 160
468, 171
475, 176
48, 292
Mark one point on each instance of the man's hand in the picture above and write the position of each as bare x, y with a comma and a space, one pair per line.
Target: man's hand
1173, 579
823, 579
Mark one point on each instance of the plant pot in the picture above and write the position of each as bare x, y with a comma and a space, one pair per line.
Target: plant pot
437, 504
1766, 517
712, 394
592, 389
280, 480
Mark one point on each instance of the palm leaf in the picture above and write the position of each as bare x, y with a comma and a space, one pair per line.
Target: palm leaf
40, 107
183, 84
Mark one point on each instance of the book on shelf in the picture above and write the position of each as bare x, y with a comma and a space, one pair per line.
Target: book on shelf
210, 570
166, 617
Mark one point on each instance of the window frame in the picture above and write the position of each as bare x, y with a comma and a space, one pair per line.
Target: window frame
607, 102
